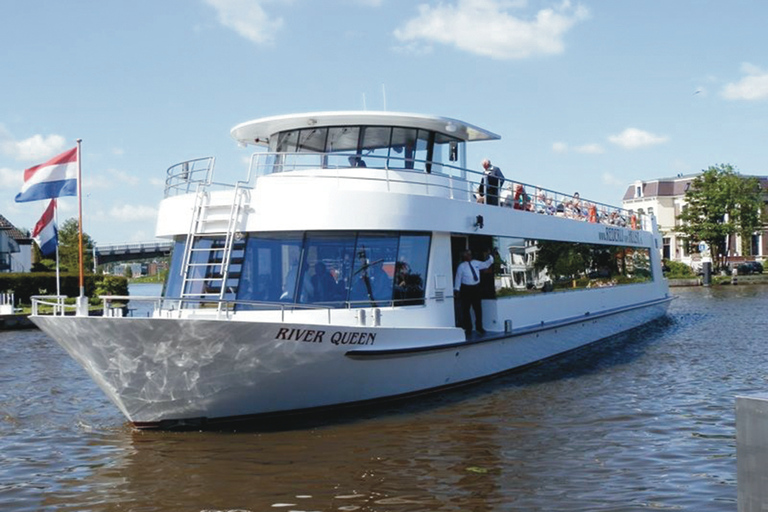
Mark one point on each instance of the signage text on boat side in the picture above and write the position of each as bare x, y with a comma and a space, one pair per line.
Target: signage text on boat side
318, 336
620, 235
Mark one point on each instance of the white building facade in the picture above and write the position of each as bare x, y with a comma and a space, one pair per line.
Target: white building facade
665, 199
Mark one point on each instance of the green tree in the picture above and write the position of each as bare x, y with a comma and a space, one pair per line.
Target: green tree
128, 273
721, 203
68, 247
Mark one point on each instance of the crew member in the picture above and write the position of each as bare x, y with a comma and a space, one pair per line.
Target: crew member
467, 286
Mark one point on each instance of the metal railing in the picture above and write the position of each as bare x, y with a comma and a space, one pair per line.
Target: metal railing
417, 176
165, 307
55, 302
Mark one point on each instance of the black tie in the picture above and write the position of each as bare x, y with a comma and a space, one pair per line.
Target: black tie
474, 274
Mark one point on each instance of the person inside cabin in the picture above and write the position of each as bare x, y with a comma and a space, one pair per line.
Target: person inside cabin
323, 284
467, 286
493, 179
289, 285
357, 161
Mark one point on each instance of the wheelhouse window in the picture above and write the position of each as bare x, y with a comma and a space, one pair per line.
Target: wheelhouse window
366, 146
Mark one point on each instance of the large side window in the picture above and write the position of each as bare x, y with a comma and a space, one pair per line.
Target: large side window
326, 269
411, 270
530, 266
368, 269
270, 268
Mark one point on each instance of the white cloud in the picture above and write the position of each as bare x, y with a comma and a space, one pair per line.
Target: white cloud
10, 178
130, 213
111, 179
610, 179
633, 138
485, 27
590, 149
368, 3
754, 86
587, 149
248, 18
37, 148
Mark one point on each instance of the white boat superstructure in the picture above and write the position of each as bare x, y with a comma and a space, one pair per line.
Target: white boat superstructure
325, 277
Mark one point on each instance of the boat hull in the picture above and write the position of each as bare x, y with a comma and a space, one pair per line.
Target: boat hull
162, 371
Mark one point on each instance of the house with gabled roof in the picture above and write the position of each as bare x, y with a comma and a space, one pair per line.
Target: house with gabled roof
15, 248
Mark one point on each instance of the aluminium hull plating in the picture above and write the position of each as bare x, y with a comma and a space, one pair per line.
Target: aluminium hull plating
168, 370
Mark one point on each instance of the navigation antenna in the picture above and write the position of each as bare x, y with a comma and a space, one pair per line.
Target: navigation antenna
384, 95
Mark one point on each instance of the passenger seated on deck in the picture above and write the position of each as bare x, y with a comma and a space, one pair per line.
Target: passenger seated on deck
549, 208
356, 161
521, 199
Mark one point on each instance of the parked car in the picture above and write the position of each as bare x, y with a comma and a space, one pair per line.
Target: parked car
750, 267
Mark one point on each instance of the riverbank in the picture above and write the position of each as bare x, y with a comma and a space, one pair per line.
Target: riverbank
15, 321
720, 280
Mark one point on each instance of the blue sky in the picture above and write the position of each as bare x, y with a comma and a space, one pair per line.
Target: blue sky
587, 95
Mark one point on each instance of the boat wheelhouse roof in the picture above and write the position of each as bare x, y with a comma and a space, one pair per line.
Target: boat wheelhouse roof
259, 131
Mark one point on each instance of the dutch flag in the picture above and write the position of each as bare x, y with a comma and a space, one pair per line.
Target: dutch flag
55, 178
45, 233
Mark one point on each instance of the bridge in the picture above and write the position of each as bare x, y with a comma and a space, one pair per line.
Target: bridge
133, 251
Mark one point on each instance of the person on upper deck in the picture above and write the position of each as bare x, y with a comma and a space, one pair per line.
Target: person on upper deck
493, 180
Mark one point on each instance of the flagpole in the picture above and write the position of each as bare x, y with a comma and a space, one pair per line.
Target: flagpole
56, 223
80, 214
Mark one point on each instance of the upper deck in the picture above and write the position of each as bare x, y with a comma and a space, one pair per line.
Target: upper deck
384, 151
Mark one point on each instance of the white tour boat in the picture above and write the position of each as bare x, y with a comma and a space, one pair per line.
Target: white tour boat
325, 277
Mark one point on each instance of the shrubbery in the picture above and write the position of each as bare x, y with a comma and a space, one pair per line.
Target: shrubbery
678, 270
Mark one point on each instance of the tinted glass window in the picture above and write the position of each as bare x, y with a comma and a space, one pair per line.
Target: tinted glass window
372, 276
531, 266
312, 139
403, 148
326, 269
375, 145
411, 269
343, 138
270, 268
174, 279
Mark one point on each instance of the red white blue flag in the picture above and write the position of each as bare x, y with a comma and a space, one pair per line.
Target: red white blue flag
55, 178
45, 233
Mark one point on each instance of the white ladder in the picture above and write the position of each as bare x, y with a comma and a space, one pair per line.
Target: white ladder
204, 244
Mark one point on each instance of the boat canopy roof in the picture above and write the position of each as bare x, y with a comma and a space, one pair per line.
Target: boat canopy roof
259, 131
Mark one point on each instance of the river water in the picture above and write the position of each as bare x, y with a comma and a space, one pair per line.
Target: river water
642, 421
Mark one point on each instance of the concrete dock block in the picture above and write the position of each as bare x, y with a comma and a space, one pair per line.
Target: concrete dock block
752, 452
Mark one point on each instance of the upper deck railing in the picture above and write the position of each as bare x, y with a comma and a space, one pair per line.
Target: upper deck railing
420, 176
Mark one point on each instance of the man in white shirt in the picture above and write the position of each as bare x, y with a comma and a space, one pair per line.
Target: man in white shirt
467, 287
